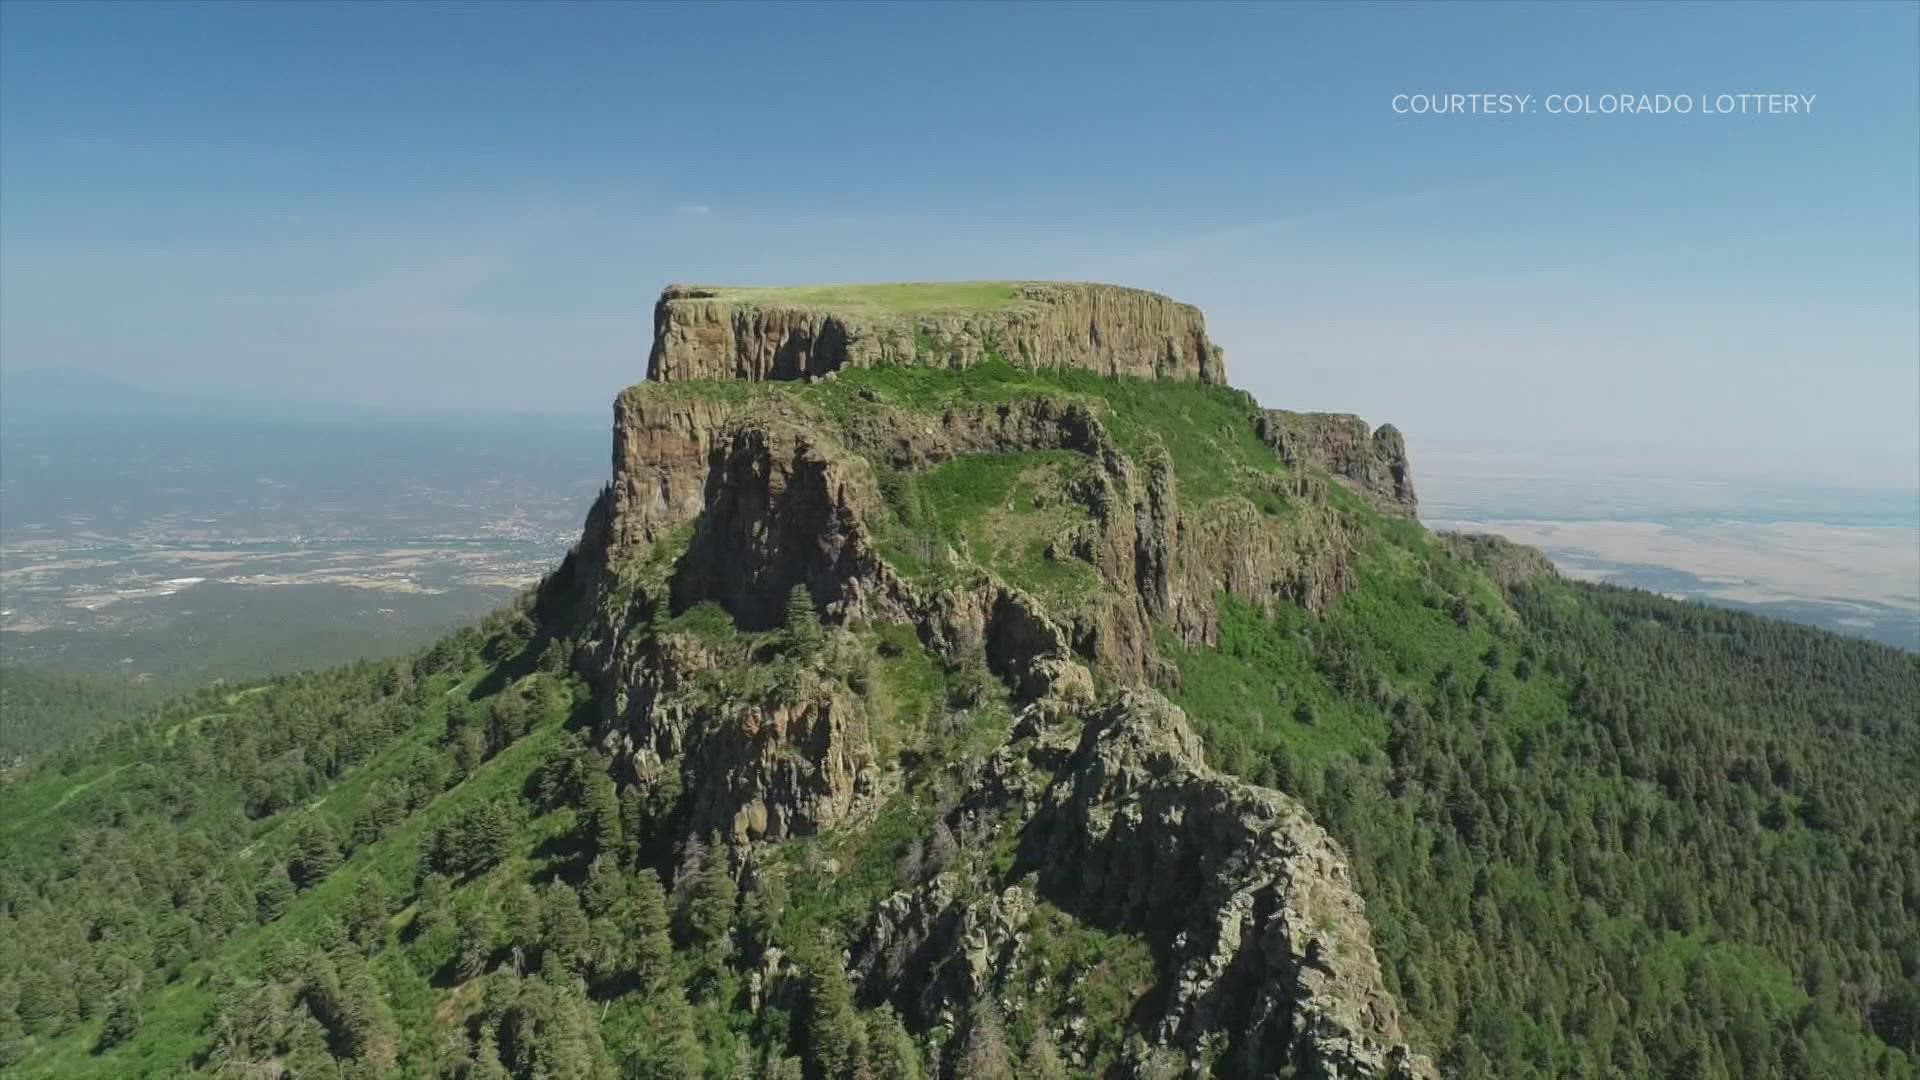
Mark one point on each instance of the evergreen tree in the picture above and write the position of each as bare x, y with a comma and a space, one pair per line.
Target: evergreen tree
566, 937
759, 915
434, 907
600, 816
836, 1038
606, 887
668, 1047
708, 914
477, 932
549, 1031
486, 1056
652, 947
474, 842
274, 894
803, 634
368, 911
122, 1020
521, 915
316, 852
633, 822
891, 1053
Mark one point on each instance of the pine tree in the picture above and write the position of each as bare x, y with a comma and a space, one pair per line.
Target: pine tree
122, 1020
364, 1016
435, 905
520, 912
669, 1048
475, 841
710, 901
477, 932
605, 890
274, 894
760, 909
891, 1053
781, 1067
316, 853
486, 1056
566, 937
633, 822
368, 911
652, 947
600, 816
489, 834
549, 1031
836, 1039
803, 623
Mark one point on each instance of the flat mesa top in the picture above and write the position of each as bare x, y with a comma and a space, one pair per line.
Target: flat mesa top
894, 298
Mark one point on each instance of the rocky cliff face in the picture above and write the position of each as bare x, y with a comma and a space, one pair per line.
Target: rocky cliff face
754, 334
1250, 903
1374, 464
748, 762
778, 499
1256, 902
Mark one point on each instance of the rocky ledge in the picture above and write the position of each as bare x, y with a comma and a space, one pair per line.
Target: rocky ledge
1249, 905
1374, 463
710, 332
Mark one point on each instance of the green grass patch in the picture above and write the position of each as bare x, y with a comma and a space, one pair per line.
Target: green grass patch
894, 298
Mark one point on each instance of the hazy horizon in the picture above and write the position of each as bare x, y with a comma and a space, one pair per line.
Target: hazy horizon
60, 389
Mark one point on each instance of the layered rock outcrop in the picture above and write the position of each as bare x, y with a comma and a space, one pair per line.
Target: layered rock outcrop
785, 506
1268, 938
778, 499
1372, 462
748, 766
760, 334
1265, 947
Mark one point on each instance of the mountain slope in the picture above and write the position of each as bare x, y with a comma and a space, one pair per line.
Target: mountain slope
976, 718
41, 711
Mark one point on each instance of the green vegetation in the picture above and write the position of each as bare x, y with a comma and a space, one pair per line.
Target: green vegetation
1598, 833
1207, 430
1603, 838
894, 298
1013, 512
42, 711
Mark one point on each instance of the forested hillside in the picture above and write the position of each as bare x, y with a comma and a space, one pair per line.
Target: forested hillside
651, 822
41, 711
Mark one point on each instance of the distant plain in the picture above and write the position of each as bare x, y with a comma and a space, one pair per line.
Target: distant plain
1842, 556
181, 546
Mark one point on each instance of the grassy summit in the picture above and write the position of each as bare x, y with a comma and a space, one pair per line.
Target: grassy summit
791, 332
897, 298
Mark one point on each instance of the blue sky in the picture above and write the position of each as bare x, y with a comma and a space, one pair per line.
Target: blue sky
473, 205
